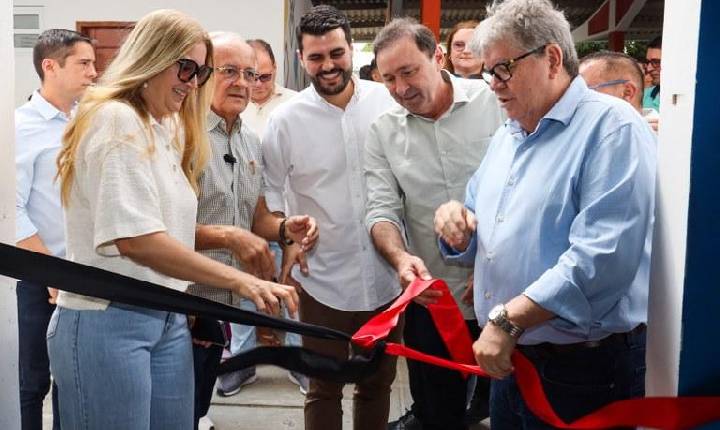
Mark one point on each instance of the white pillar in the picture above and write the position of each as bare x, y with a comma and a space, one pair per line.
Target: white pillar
9, 400
679, 62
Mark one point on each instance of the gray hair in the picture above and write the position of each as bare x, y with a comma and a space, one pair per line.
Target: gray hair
528, 24
400, 28
220, 38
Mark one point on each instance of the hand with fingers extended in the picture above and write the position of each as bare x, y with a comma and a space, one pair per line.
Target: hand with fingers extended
455, 224
303, 230
410, 267
292, 255
253, 252
267, 296
493, 351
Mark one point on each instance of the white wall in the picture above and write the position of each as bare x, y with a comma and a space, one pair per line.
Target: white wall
680, 45
251, 18
9, 401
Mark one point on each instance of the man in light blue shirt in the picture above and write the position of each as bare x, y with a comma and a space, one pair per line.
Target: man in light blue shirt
64, 61
558, 222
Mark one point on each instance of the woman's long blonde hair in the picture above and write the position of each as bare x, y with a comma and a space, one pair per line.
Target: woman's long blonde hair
158, 40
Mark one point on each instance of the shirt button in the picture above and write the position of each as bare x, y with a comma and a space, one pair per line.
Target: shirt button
500, 218
511, 182
488, 296
174, 168
489, 256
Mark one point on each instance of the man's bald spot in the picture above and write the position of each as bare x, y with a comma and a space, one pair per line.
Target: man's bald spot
616, 65
224, 41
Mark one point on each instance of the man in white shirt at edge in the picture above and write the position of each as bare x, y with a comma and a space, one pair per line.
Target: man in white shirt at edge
266, 94
312, 150
65, 62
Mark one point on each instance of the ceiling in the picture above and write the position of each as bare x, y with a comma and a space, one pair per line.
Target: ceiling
367, 17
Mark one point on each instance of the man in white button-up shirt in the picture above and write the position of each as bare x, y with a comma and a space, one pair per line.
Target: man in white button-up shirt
312, 149
65, 63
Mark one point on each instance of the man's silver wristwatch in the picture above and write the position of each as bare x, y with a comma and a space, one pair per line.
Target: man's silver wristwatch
498, 316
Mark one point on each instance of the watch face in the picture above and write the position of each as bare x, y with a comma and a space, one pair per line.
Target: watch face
495, 312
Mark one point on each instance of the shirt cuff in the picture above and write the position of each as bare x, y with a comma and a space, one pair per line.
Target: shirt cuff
376, 219
275, 201
24, 228
567, 301
460, 258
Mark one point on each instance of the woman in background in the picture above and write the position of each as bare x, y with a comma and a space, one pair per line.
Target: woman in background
459, 60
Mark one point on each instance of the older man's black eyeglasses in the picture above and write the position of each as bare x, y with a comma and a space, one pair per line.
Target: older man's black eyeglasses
503, 71
188, 69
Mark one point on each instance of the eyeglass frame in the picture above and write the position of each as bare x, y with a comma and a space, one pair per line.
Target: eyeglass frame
195, 73
655, 62
265, 77
241, 72
493, 75
609, 83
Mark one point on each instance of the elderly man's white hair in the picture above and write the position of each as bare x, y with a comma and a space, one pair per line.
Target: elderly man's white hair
528, 25
220, 38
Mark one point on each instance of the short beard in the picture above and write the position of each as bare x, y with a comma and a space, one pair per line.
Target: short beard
345, 76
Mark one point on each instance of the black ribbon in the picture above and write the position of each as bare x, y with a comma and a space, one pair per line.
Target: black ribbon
44, 270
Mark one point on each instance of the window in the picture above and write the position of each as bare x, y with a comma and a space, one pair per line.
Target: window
27, 22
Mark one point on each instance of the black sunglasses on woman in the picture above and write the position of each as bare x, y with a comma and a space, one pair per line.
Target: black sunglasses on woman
189, 69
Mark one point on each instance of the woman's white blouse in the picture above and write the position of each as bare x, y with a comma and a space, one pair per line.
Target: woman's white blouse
128, 183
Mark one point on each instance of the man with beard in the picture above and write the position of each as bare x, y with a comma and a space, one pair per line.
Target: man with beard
233, 222
312, 149
417, 155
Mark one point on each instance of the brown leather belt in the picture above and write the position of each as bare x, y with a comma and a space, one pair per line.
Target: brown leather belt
613, 339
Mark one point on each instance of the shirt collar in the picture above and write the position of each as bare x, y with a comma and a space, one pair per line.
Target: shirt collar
460, 95
357, 92
46, 109
215, 121
564, 109
278, 91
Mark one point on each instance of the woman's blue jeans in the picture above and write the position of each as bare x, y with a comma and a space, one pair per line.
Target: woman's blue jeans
122, 368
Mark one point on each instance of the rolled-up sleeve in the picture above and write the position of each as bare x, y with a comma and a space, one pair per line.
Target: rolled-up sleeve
384, 194
122, 189
608, 236
275, 166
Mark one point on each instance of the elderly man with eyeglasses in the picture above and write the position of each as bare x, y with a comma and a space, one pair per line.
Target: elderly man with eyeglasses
233, 222
558, 221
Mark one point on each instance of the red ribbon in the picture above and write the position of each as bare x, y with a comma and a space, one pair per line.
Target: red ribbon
657, 412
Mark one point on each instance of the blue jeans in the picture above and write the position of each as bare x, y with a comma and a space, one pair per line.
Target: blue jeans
122, 368
244, 337
34, 313
575, 383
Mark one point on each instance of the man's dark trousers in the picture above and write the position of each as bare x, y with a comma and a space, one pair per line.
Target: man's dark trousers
439, 395
34, 313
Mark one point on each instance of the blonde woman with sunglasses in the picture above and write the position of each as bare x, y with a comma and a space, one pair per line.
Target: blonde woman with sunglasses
128, 174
